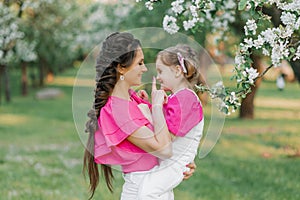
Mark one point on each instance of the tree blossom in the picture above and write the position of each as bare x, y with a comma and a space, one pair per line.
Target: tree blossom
250, 26
288, 18
190, 23
260, 35
297, 54
170, 25
177, 6
252, 74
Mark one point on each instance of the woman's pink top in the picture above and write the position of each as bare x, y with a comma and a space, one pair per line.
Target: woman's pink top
182, 112
118, 119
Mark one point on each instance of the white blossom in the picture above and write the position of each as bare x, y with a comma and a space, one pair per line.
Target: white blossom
232, 98
193, 10
288, 18
265, 52
252, 74
149, 5
259, 42
190, 23
219, 84
169, 24
230, 4
297, 24
250, 26
177, 6
292, 6
239, 60
279, 52
297, 54
223, 105
287, 32
248, 42
269, 36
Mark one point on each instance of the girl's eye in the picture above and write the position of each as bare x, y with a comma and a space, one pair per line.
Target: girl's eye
141, 63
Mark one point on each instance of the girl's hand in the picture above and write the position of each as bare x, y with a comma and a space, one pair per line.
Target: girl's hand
159, 97
190, 173
143, 95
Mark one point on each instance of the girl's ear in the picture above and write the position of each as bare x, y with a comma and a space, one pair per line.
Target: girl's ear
178, 71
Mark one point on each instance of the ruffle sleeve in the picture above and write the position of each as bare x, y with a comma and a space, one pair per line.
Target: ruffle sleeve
119, 120
182, 112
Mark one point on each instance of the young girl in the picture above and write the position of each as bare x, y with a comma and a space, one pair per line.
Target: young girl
177, 71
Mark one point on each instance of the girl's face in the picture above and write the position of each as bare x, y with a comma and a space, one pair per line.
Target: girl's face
165, 75
133, 74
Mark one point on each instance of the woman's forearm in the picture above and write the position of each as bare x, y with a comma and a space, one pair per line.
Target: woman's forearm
161, 131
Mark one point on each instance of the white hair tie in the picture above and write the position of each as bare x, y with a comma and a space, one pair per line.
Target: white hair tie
181, 62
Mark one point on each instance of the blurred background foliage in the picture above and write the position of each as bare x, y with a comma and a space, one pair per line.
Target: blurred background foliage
44, 42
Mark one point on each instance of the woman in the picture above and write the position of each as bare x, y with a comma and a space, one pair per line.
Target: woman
119, 132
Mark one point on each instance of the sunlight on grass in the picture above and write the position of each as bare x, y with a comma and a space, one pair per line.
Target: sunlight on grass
293, 104
11, 119
70, 81
288, 115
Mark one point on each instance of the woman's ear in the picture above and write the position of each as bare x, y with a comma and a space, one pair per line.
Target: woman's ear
120, 69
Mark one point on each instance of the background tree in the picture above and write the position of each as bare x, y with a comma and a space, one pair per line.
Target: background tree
260, 37
40, 34
9, 36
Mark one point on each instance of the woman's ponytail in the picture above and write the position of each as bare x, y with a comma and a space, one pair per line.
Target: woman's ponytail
118, 48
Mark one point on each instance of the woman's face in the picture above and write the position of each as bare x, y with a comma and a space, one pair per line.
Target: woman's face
165, 75
135, 71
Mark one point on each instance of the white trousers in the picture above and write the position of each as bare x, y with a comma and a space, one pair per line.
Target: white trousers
133, 185
157, 185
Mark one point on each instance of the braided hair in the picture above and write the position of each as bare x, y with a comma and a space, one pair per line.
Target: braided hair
118, 49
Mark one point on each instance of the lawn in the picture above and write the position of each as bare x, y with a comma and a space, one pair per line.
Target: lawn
41, 151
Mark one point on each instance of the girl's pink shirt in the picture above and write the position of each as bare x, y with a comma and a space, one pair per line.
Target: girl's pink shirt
118, 119
182, 112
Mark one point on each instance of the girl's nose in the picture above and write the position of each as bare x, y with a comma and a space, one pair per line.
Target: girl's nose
157, 77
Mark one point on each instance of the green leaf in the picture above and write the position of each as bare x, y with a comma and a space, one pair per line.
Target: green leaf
242, 4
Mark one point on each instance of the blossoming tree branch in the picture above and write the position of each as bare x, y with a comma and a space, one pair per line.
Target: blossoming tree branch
261, 36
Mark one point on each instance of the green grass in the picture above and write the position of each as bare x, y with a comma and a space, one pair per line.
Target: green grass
41, 152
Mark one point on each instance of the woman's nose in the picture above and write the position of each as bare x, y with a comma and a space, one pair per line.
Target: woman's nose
144, 68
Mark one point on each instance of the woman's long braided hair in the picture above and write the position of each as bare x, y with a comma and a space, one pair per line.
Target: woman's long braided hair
118, 49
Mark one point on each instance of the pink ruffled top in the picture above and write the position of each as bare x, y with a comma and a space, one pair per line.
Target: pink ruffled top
118, 119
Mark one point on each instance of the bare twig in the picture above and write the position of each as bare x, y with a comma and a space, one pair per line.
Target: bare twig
264, 72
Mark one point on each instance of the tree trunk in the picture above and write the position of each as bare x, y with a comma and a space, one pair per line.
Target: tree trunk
247, 105
41, 72
1, 81
7, 85
24, 80
296, 68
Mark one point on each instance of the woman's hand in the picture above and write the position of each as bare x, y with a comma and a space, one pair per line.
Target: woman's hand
143, 95
190, 173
